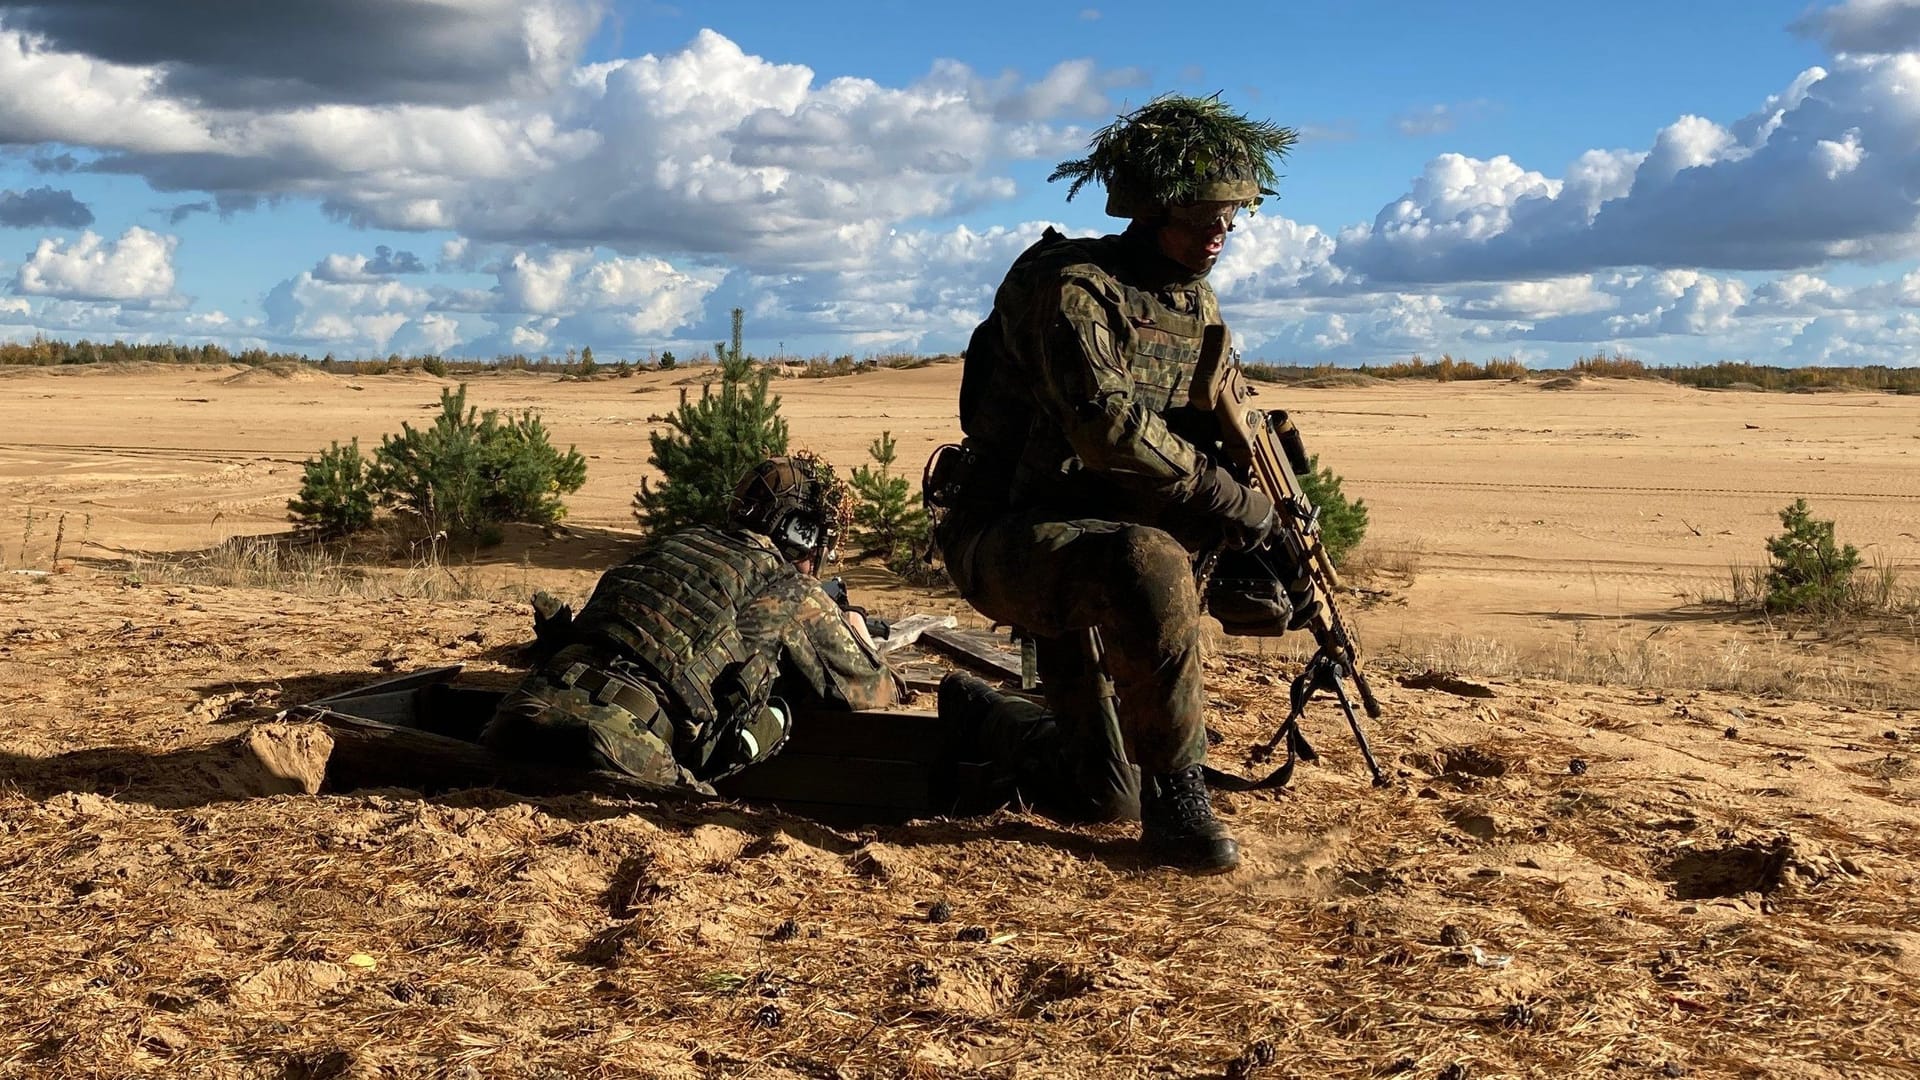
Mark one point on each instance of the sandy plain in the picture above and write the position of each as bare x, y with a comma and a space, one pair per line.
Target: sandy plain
1721, 887
1535, 523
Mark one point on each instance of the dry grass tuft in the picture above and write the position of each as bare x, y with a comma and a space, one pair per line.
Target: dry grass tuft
1370, 563
1879, 595
289, 565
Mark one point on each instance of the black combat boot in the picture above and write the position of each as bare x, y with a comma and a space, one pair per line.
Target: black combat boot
1177, 825
964, 702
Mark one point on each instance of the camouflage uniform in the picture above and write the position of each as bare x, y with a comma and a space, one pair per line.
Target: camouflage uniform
667, 673
1084, 503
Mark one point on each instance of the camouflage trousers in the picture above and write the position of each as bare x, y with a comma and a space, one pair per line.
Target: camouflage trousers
548, 720
577, 713
1055, 579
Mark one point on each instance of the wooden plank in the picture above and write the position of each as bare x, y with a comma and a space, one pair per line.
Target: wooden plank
856, 785
424, 736
979, 787
978, 650
458, 712
906, 631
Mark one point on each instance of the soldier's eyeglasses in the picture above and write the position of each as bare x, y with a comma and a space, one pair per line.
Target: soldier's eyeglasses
1204, 215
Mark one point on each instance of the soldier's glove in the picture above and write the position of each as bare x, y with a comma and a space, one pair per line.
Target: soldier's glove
551, 621
836, 590
1247, 517
1304, 597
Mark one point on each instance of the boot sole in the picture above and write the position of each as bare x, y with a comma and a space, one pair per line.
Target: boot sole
1195, 866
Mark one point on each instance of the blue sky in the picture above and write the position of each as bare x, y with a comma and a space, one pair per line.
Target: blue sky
1683, 182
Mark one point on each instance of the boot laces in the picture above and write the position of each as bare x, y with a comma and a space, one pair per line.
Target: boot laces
1185, 795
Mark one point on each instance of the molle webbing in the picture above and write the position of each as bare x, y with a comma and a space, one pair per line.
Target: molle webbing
1160, 341
1156, 327
674, 615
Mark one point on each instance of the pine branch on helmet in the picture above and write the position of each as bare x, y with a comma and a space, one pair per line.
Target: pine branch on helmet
1179, 149
796, 501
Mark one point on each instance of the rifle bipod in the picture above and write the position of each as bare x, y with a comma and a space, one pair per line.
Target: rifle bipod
1323, 672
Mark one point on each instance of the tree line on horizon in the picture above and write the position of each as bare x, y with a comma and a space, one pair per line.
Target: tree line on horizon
42, 351
1721, 375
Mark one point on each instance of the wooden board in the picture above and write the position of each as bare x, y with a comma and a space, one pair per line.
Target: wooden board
985, 652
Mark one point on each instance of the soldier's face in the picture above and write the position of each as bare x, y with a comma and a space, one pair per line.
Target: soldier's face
1194, 234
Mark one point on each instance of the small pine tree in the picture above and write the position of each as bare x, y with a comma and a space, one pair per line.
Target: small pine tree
434, 366
433, 474
525, 475
1342, 523
667, 361
587, 366
711, 443
888, 517
1810, 572
336, 493
469, 473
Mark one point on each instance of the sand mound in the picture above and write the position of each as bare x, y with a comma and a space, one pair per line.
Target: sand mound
1564, 382
274, 375
118, 367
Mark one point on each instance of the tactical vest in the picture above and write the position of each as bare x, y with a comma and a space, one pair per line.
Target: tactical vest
671, 613
1156, 331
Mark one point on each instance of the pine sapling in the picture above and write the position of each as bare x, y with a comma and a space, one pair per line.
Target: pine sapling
1810, 571
1342, 523
888, 518
336, 493
711, 442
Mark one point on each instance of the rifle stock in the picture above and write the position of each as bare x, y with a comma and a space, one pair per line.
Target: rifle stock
1269, 448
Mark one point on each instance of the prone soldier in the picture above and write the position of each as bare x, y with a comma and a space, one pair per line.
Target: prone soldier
686, 663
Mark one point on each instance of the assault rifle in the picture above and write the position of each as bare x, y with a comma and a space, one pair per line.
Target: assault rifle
1269, 448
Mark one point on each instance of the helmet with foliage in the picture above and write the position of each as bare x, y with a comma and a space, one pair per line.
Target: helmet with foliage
1178, 149
797, 501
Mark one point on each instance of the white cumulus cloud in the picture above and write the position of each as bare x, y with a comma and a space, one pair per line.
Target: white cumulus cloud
577, 294
1269, 255
1829, 169
136, 267
1535, 300
707, 149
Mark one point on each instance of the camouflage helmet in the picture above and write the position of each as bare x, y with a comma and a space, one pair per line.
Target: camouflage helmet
796, 501
1177, 149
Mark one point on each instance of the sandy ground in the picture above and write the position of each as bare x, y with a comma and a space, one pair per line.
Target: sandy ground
1540, 526
1675, 861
